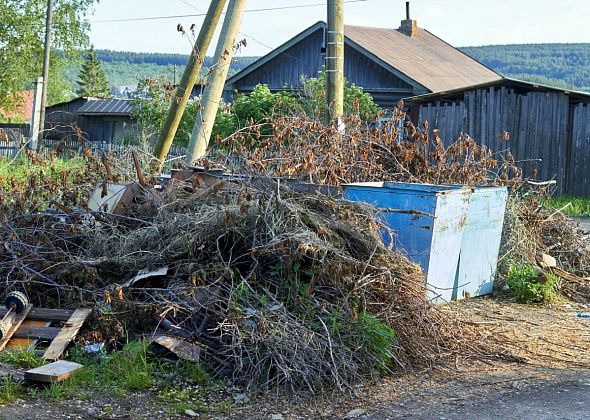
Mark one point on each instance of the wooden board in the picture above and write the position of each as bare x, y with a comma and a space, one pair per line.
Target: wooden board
23, 343
44, 314
38, 332
53, 372
67, 334
15, 324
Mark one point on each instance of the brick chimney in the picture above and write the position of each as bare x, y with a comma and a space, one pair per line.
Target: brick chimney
408, 26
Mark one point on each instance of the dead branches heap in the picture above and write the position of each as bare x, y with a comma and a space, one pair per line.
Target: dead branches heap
281, 289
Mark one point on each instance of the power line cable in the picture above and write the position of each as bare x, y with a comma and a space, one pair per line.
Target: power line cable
266, 9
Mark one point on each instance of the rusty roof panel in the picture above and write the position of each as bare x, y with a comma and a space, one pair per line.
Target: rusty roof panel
426, 59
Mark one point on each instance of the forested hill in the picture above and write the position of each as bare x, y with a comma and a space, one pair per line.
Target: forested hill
161, 59
562, 65
124, 68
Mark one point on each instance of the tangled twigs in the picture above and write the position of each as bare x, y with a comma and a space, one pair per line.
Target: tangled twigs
282, 289
306, 148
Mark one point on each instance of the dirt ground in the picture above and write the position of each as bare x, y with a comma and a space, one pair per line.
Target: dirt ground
553, 382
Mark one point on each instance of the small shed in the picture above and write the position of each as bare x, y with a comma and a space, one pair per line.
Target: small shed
95, 119
547, 129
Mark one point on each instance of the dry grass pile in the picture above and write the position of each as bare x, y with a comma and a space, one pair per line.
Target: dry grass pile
281, 289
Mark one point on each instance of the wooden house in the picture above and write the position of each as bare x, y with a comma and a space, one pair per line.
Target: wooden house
388, 63
547, 129
98, 120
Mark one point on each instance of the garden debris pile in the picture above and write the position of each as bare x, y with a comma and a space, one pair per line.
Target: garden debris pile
531, 229
307, 149
279, 289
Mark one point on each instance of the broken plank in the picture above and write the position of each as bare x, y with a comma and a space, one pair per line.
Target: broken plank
181, 348
53, 372
44, 333
45, 314
18, 343
18, 319
67, 334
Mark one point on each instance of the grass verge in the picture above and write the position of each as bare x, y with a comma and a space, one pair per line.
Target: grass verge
182, 385
572, 206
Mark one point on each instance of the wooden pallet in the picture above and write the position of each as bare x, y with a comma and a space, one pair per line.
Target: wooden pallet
54, 327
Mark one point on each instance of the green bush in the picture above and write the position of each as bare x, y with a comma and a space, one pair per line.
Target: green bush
528, 286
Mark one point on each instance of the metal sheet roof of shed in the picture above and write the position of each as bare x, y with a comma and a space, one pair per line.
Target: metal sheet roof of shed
505, 81
427, 59
106, 107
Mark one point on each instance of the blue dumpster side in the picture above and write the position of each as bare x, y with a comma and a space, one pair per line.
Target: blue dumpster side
428, 222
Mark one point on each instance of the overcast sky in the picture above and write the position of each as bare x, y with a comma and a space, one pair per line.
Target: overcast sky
459, 22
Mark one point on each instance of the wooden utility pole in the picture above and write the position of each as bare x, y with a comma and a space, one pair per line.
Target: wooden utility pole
189, 77
224, 52
46, 55
335, 58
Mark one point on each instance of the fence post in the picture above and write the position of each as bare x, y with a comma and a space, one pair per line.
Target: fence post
35, 128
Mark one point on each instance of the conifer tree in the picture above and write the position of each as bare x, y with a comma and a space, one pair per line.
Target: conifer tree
92, 79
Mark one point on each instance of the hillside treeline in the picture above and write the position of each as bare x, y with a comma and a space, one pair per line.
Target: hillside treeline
562, 65
161, 59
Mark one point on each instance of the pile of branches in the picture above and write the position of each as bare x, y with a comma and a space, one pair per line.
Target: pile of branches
280, 289
532, 229
308, 149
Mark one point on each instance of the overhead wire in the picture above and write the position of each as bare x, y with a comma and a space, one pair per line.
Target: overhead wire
264, 9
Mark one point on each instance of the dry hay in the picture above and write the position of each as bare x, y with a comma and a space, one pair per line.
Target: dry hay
281, 289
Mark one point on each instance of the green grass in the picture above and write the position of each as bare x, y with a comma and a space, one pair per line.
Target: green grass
183, 385
21, 168
10, 391
572, 206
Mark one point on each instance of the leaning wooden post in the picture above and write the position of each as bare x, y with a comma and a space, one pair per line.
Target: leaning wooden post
335, 59
224, 52
189, 77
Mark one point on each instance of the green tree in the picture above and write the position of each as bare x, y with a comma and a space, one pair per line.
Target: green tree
92, 80
356, 100
151, 101
22, 31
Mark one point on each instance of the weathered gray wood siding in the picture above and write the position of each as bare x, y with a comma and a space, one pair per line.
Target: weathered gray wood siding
537, 124
302, 60
305, 59
61, 120
579, 158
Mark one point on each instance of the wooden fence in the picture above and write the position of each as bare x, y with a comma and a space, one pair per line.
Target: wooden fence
547, 135
13, 142
579, 154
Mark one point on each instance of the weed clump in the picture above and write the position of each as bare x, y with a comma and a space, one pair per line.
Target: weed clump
530, 285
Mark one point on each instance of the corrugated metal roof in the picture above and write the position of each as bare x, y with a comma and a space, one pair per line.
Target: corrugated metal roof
106, 107
505, 81
426, 58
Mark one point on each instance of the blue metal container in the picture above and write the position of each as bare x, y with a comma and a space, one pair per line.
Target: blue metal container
428, 222
481, 242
